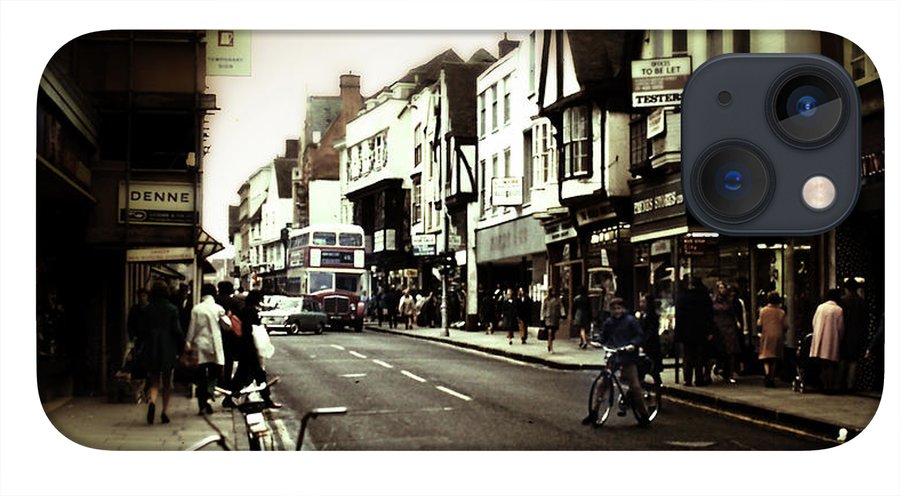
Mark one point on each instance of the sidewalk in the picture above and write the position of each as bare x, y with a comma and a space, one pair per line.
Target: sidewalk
812, 412
97, 423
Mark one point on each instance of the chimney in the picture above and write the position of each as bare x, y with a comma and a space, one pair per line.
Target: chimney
505, 46
350, 96
292, 148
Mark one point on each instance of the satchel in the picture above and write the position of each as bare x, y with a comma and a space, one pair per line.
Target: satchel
542, 334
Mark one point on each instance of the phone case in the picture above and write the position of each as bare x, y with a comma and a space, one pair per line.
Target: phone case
524, 161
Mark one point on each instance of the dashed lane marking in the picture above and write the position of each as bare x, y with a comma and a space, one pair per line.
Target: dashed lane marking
357, 355
353, 375
383, 364
339, 347
412, 376
453, 393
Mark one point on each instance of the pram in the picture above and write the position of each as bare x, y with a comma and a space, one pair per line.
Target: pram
808, 369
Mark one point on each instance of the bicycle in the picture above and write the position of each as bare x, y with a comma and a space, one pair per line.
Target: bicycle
251, 406
607, 385
218, 438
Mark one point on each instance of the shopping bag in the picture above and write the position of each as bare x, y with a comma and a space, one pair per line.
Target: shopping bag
264, 347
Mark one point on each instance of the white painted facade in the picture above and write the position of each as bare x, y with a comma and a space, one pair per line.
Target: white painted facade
324, 202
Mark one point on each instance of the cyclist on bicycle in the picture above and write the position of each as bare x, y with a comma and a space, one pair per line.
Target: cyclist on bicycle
622, 331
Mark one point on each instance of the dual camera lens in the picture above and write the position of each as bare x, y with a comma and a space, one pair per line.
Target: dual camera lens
735, 179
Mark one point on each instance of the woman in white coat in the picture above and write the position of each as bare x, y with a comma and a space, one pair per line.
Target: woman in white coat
204, 338
828, 329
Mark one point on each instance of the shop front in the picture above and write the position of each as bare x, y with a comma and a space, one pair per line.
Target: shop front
513, 255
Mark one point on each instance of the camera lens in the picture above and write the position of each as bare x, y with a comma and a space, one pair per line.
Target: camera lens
808, 108
734, 181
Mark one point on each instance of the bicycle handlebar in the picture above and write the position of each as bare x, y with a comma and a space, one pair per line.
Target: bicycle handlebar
249, 389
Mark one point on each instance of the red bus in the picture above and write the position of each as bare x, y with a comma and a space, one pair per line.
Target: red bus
328, 262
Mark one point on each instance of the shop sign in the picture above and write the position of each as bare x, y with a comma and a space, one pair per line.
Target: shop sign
228, 53
161, 254
412, 273
661, 247
424, 245
156, 203
390, 239
378, 241
506, 191
659, 82
656, 122
697, 245
455, 242
657, 202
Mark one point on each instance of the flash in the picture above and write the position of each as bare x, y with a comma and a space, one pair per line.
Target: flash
818, 192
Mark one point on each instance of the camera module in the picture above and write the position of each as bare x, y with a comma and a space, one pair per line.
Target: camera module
734, 181
808, 108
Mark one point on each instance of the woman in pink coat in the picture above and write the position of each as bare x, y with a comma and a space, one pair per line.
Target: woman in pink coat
828, 329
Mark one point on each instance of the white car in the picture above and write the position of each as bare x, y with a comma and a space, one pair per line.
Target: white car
295, 315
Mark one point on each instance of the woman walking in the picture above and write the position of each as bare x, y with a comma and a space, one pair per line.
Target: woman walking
204, 337
828, 330
551, 312
250, 367
164, 337
407, 309
582, 317
772, 324
509, 314
725, 318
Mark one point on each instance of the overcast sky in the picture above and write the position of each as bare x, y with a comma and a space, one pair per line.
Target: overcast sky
261, 111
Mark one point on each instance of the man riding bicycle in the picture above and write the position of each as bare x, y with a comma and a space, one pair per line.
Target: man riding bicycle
622, 331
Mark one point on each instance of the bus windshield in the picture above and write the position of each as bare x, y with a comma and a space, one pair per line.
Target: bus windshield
321, 281
347, 282
351, 239
324, 239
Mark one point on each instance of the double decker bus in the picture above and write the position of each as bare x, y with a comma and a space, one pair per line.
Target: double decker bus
328, 261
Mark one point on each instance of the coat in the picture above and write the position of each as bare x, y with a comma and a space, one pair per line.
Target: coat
551, 311
828, 330
204, 333
856, 327
582, 311
726, 320
509, 313
772, 324
693, 317
164, 336
407, 306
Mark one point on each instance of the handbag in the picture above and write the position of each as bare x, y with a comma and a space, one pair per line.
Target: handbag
188, 360
542, 334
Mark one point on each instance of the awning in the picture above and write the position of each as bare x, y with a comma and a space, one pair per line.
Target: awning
206, 245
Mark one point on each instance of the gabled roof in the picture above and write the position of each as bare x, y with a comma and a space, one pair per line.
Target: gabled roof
430, 71
283, 169
321, 111
460, 82
601, 56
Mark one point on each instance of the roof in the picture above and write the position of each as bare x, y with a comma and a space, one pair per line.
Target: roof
460, 82
602, 56
321, 111
283, 169
430, 71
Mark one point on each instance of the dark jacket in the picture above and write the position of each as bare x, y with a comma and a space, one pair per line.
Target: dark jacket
582, 309
693, 317
620, 332
856, 327
509, 313
523, 309
165, 337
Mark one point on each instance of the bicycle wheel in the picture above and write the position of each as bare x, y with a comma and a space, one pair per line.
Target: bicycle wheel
601, 398
652, 394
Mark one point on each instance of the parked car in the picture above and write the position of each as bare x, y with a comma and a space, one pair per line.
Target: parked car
295, 315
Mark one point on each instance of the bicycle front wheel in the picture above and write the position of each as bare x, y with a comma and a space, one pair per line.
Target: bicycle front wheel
652, 395
600, 399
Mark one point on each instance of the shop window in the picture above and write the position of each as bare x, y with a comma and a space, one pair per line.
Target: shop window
576, 141
640, 145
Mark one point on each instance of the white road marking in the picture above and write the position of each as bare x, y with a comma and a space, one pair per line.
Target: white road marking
412, 376
339, 347
353, 375
453, 393
357, 355
383, 364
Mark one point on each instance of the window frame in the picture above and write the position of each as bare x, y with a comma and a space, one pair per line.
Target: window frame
568, 145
